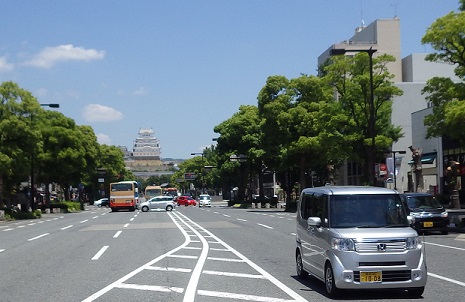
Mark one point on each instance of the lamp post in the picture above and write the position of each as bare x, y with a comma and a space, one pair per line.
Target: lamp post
371, 121
394, 160
33, 205
242, 158
201, 172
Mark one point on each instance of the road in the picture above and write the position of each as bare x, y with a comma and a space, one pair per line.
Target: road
190, 254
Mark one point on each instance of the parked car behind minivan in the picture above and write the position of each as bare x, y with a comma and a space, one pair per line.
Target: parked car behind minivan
429, 214
358, 238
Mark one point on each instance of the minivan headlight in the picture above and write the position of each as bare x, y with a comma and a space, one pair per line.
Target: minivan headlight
343, 244
413, 243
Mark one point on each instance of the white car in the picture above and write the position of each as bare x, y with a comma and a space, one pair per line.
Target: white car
158, 203
102, 202
205, 200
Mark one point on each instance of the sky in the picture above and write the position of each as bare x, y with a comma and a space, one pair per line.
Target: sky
179, 67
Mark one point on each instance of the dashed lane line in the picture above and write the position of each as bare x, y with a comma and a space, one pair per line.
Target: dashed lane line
100, 253
37, 237
446, 246
265, 226
447, 279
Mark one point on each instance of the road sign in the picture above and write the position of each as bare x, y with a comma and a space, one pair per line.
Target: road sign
189, 176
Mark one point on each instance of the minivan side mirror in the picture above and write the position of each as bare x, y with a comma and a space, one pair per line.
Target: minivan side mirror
411, 220
314, 221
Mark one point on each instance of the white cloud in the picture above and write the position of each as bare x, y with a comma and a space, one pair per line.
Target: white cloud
103, 139
100, 113
4, 65
49, 56
140, 91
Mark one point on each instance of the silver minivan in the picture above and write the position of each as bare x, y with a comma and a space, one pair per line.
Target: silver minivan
354, 237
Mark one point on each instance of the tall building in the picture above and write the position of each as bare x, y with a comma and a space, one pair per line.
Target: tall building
410, 75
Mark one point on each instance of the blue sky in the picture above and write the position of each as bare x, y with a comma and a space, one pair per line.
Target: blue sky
179, 67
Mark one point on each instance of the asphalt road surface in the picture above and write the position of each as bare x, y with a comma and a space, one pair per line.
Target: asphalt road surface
190, 254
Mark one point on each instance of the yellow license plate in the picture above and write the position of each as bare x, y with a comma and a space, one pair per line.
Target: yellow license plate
370, 277
428, 224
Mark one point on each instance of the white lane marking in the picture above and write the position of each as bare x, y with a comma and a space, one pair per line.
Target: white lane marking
1, 250
226, 215
40, 236
151, 287
293, 234
183, 256
31, 223
234, 275
225, 259
131, 219
84, 221
241, 219
447, 246
100, 253
6, 230
240, 296
221, 250
21, 226
126, 225
143, 267
94, 217
170, 269
66, 227
265, 226
270, 277
191, 288
117, 234
446, 279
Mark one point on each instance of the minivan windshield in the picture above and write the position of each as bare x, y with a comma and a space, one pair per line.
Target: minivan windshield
367, 211
423, 202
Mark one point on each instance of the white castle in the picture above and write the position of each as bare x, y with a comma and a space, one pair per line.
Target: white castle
146, 146
145, 155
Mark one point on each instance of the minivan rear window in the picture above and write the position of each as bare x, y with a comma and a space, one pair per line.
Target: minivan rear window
367, 211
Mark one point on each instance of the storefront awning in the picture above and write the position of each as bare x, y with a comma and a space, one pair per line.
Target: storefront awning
426, 159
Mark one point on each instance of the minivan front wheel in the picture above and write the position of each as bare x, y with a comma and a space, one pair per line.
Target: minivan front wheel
330, 284
300, 266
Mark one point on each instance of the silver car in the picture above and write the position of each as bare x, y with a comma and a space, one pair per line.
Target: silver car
358, 238
158, 203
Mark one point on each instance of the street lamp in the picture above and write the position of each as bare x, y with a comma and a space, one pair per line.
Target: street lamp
371, 121
394, 160
243, 158
33, 206
201, 172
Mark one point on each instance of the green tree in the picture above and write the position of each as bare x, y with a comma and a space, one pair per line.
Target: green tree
18, 139
240, 135
351, 78
447, 37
